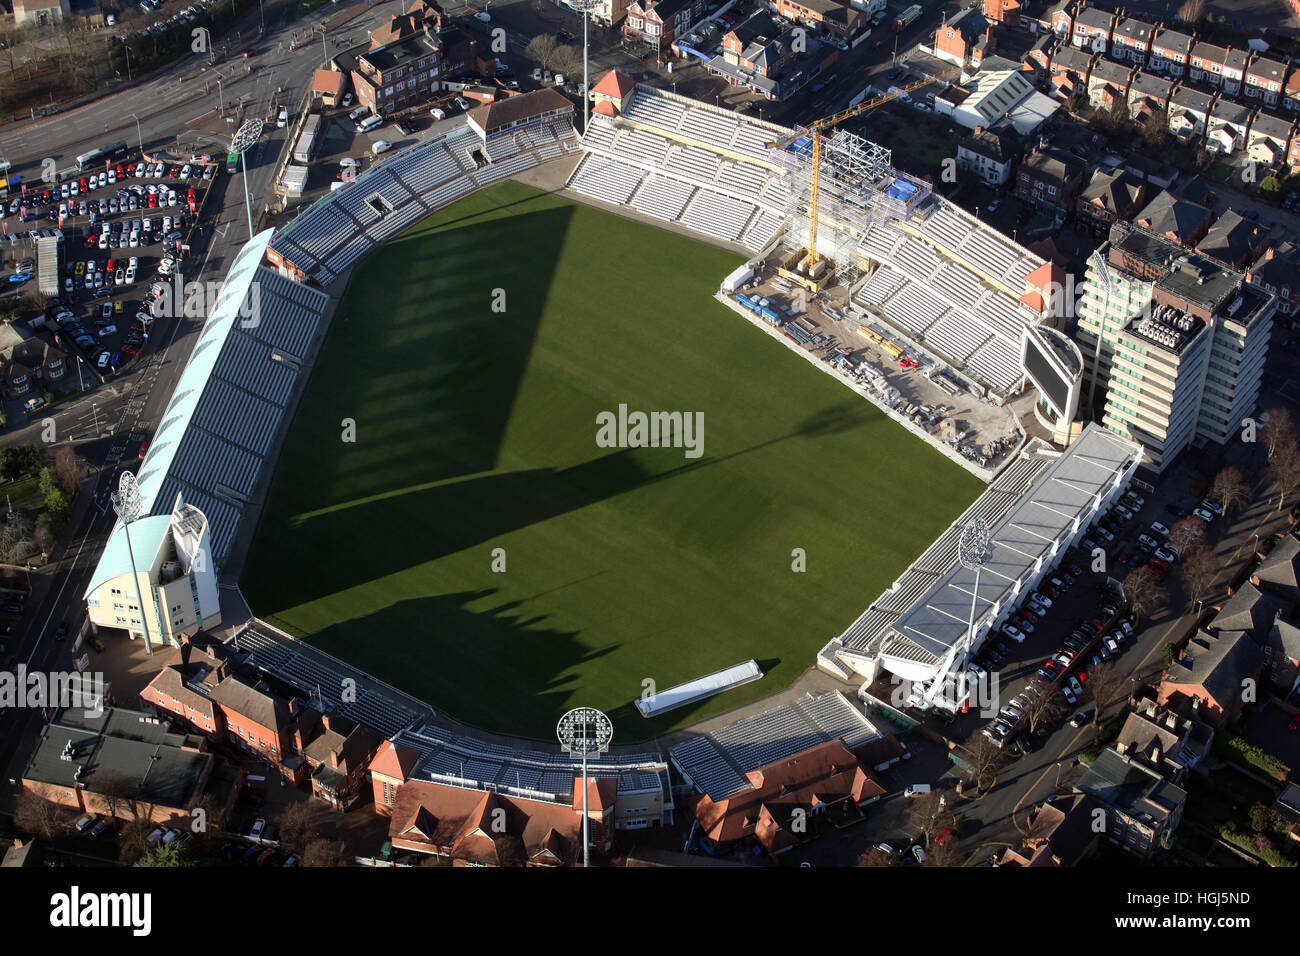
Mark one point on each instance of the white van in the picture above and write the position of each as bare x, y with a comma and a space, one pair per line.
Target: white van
282, 120
380, 146
916, 790
369, 123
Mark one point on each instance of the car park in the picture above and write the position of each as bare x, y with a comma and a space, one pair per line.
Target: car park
1013, 632
1159, 530
1204, 515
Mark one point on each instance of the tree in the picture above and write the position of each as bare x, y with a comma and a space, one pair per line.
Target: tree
541, 49
1230, 490
15, 538
40, 817
1169, 654
1186, 531
1042, 707
1279, 432
167, 855
1197, 570
67, 468
566, 60
1191, 12
943, 854
875, 856
118, 791
1144, 593
929, 814
133, 840
320, 852
985, 759
1104, 683
1270, 186
33, 302
44, 534
296, 824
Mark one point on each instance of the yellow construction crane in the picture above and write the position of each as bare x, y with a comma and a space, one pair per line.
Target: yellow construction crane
816, 129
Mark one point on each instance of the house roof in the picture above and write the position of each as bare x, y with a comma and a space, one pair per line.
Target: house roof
1187, 98
352, 741
256, 702
1108, 71
1134, 31
1251, 610
1209, 52
1167, 215
1066, 827
1095, 17
395, 760
614, 84
328, 81
1266, 69
502, 113
1053, 165
1217, 662
1228, 111
995, 144
1284, 638
1116, 192
1282, 565
1198, 189
1150, 85
1072, 59
1172, 40
1130, 787
605, 108
1266, 124
970, 23
1233, 238
1279, 266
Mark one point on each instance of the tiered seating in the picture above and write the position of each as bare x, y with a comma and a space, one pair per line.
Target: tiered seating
716, 215
653, 110
914, 309
695, 163
946, 228
662, 198
502, 147
600, 134
750, 139
743, 178
438, 167
762, 231
999, 313
959, 285
323, 230
956, 335
643, 147
775, 193
986, 253
605, 179
449, 192
395, 222
916, 258
883, 283
709, 127
996, 362
498, 171
879, 242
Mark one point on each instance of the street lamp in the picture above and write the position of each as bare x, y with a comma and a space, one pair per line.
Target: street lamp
127, 48
138, 134
584, 731
973, 552
245, 137
221, 99
126, 502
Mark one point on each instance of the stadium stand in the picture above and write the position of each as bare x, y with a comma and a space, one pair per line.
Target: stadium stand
717, 763
1037, 506
339, 229
728, 186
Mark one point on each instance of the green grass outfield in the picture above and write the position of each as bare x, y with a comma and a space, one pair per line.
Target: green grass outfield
476, 430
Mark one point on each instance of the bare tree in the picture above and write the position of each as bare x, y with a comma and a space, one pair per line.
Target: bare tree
1197, 570
1191, 12
1104, 683
1283, 472
325, 853
541, 49
118, 793
1043, 706
133, 840
875, 856
296, 824
15, 538
1144, 593
1231, 490
40, 817
944, 854
985, 759
67, 468
1279, 432
929, 813
1185, 531
566, 60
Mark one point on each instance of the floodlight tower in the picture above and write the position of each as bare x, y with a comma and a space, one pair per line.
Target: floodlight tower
126, 502
585, 731
973, 552
585, 7
245, 137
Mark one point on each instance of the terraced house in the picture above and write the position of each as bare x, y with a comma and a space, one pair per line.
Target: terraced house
1265, 80
660, 23
1268, 139
1108, 84
828, 15
1171, 51
1148, 97
1093, 29
1131, 41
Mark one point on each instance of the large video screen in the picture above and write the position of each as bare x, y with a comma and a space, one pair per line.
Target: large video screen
1054, 386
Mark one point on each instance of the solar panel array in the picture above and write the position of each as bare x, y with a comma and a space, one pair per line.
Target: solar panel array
344, 226
716, 763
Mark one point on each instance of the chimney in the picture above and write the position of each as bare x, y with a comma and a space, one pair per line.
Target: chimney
334, 758
327, 720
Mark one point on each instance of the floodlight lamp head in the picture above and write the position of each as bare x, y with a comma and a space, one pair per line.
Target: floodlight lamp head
126, 500
246, 136
584, 731
975, 539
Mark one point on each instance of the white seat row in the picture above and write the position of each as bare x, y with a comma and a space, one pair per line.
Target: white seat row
709, 127
716, 215
988, 254
879, 242
996, 364
696, 163
883, 283
956, 335
600, 134
743, 178
917, 258
762, 231
606, 179
946, 227
662, 198
959, 284
915, 308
